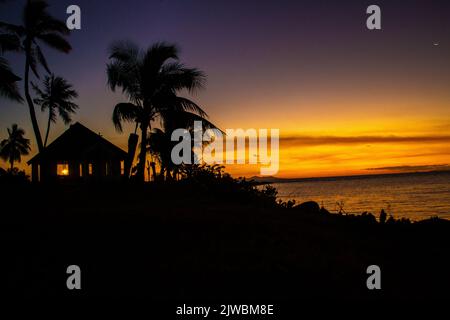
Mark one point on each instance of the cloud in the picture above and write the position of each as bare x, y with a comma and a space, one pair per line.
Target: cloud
433, 167
337, 140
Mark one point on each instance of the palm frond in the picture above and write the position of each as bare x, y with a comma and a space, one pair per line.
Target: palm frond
32, 56
124, 51
184, 104
32, 13
55, 41
12, 28
41, 59
158, 54
8, 82
127, 112
178, 77
9, 42
51, 24
124, 75
56, 97
184, 119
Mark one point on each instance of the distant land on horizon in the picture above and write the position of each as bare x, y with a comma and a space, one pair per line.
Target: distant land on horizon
270, 180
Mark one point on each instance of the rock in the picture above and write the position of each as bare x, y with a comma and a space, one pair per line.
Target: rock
308, 207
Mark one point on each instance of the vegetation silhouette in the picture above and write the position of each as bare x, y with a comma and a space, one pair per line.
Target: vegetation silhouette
15, 146
56, 98
14, 177
160, 144
210, 237
37, 26
151, 79
159, 147
383, 216
8, 80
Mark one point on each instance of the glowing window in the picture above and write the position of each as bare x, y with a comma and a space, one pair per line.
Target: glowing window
122, 167
62, 169
81, 170
90, 169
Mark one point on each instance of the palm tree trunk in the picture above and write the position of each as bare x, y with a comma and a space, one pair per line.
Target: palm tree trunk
132, 145
153, 166
48, 129
148, 169
161, 172
168, 175
34, 122
143, 154
11, 160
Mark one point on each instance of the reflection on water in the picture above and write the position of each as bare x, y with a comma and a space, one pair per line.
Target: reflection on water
414, 196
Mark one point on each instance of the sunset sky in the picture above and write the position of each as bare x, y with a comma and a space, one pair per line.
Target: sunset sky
346, 100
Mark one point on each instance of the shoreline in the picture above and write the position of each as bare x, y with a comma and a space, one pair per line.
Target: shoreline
273, 180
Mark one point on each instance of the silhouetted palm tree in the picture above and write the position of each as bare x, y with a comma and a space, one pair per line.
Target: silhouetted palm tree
15, 146
160, 142
151, 80
8, 85
38, 25
56, 98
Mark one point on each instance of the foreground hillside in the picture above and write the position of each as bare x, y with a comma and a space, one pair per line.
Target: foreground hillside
186, 241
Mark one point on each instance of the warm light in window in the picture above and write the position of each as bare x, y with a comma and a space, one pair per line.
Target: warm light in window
63, 169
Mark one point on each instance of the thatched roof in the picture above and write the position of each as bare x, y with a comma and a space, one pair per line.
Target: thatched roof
80, 143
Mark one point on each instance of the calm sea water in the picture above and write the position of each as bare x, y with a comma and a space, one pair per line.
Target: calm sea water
414, 196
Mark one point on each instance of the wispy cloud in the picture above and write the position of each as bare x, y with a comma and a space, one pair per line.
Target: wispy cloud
433, 167
337, 140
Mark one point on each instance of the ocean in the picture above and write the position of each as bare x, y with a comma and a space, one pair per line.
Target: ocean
415, 195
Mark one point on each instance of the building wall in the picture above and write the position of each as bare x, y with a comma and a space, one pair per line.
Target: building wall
101, 170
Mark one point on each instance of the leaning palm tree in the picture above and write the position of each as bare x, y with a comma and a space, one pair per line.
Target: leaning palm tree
38, 26
151, 80
8, 80
13, 148
56, 98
